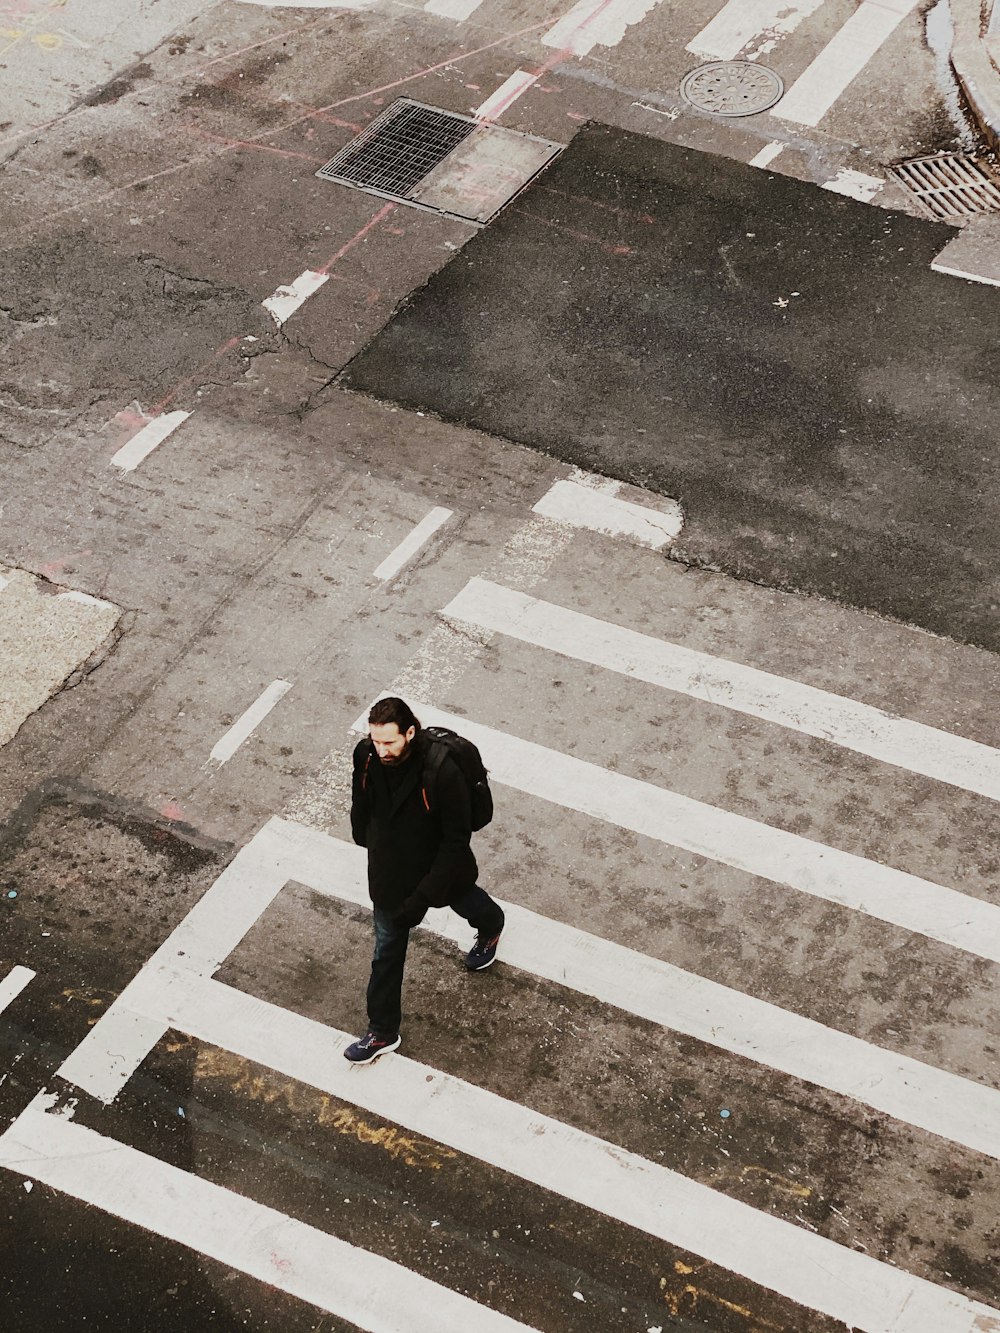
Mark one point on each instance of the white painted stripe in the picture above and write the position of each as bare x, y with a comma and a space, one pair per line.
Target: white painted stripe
918, 1094
855, 184
410, 545
361, 1288
829, 873
452, 9
962, 273
798, 1264
750, 27
13, 984
601, 511
144, 441
310, 4
744, 689
121, 1039
227, 745
767, 154
840, 62
71, 595
509, 91
286, 300
593, 23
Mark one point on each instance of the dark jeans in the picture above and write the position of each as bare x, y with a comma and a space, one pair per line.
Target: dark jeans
391, 938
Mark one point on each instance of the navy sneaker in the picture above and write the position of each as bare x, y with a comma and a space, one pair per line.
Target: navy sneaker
482, 952
369, 1048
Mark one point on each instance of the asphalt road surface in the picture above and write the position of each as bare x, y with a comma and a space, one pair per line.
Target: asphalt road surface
272, 445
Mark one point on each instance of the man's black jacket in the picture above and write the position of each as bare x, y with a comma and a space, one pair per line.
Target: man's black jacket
418, 841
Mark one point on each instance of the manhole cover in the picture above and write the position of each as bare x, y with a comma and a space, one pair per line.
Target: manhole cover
732, 88
950, 185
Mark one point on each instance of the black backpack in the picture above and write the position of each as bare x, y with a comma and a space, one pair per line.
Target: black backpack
441, 742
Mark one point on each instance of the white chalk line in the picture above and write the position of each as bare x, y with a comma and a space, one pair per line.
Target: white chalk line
799, 863
13, 984
245, 725
870, 731
602, 510
365, 1289
144, 441
406, 550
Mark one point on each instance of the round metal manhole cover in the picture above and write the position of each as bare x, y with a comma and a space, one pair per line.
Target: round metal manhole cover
732, 88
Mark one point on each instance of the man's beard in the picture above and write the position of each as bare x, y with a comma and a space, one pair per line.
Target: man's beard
393, 761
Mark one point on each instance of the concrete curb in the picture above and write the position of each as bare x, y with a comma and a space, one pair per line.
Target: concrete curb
978, 76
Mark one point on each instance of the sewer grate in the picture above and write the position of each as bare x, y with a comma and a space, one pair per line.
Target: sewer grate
731, 88
399, 148
950, 185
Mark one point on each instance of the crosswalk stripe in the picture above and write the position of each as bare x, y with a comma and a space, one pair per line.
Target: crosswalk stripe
918, 1094
798, 1264
840, 62
836, 876
744, 689
369, 1291
740, 22
593, 23
603, 510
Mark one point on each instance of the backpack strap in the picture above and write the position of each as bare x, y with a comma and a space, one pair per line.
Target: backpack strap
369, 754
435, 753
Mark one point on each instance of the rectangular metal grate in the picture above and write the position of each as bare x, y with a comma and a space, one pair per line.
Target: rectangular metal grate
398, 149
950, 185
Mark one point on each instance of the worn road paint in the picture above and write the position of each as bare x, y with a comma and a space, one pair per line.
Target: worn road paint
364, 1289
509, 91
13, 984
749, 28
227, 745
767, 154
452, 9
408, 548
799, 863
286, 300
604, 511
816, 89
855, 184
866, 730
798, 1264
593, 23
263, 1085
142, 444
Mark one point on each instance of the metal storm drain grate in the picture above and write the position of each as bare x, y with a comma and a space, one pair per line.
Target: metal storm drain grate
950, 185
732, 88
399, 148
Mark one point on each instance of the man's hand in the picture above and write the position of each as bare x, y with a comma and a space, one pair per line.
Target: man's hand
413, 911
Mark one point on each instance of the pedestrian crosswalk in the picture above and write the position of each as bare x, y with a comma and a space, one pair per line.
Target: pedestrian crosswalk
178, 990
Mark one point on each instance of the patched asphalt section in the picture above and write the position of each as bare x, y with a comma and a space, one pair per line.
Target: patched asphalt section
779, 358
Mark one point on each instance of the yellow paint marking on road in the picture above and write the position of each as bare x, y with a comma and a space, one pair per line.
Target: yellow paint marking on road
676, 1299
269, 1088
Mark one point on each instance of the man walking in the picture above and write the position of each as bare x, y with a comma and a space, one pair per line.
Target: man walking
419, 856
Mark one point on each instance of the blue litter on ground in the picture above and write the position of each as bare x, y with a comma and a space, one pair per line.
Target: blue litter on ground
725, 1114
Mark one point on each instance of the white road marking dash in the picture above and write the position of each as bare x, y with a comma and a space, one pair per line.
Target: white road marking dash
13, 984
227, 745
411, 544
144, 441
286, 300
583, 506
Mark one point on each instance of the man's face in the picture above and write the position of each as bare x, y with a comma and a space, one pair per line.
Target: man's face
391, 745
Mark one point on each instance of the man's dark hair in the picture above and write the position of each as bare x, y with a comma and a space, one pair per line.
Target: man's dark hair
393, 710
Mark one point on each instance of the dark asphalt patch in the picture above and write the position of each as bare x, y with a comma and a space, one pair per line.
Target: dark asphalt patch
779, 358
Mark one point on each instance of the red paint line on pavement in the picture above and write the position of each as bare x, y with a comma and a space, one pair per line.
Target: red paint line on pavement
197, 133
277, 129
580, 235
219, 351
594, 203
372, 222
